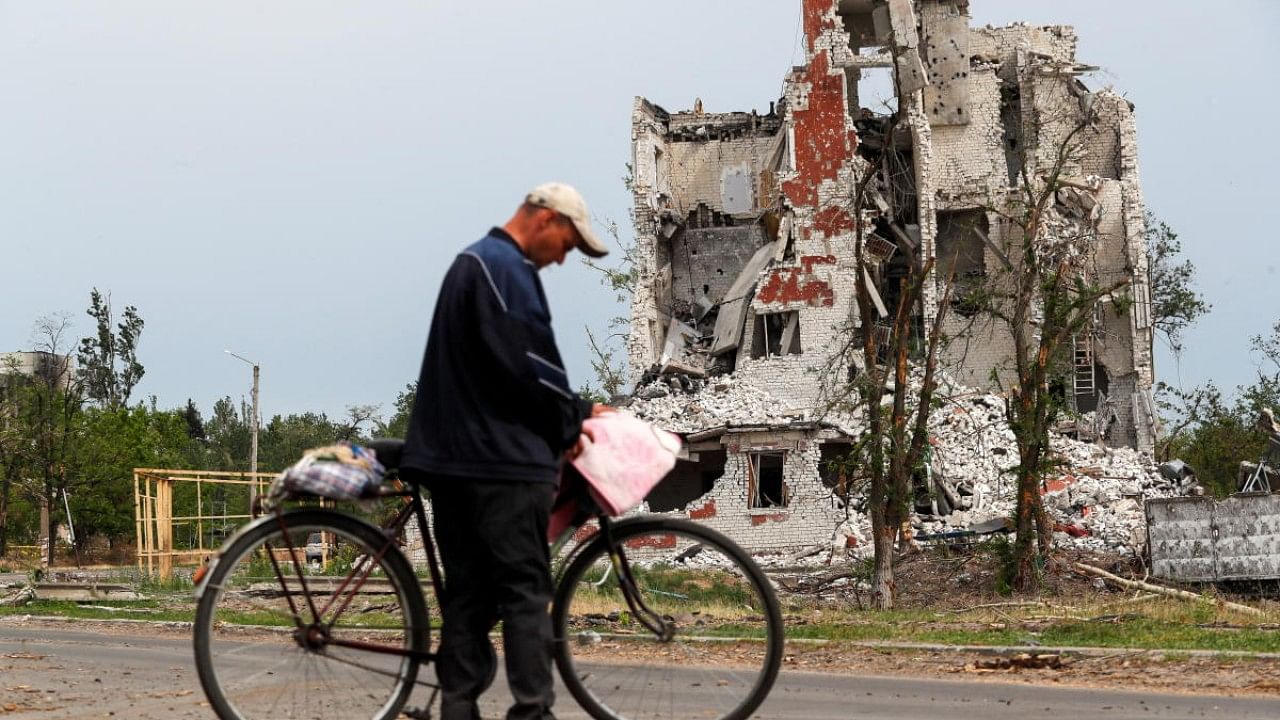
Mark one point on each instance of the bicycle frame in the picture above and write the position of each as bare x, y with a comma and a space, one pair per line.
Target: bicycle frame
322, 619
310, 633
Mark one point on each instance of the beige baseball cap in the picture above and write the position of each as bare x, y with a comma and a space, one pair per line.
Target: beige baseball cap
567, 201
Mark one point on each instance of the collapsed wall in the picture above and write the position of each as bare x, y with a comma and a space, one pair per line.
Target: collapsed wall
746, 229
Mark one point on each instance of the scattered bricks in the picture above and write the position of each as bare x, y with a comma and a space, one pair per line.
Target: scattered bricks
1059, 484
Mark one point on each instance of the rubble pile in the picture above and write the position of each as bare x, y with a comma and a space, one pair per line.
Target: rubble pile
1095, 498
687, 405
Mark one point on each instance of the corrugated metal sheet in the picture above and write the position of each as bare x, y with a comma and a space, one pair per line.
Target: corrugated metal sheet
1199, 539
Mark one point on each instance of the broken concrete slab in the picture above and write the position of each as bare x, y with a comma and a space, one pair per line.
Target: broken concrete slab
84, 591
733, 310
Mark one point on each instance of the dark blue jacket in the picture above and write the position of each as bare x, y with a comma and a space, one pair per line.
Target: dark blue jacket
494, 402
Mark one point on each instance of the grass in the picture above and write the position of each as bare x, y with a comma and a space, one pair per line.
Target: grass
1154, 624
120, 610
723, 608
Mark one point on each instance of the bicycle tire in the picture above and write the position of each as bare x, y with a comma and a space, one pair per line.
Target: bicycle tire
254, 672
723, 612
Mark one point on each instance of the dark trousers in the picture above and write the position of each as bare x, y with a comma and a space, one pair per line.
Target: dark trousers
493, 545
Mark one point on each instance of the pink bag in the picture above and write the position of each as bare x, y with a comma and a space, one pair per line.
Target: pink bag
623, 458
624, 461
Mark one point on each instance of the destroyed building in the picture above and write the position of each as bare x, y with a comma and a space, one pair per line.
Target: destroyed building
745, 237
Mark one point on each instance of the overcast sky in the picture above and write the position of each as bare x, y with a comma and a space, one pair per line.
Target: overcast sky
290, 179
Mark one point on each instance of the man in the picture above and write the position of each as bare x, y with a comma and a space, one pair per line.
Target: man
492, 419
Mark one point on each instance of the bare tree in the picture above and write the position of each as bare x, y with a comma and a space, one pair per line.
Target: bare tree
620, 276
895, 443
1046, 292
357, 416
50, 410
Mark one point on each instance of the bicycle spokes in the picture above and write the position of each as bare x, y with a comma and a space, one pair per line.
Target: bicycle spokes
653, 621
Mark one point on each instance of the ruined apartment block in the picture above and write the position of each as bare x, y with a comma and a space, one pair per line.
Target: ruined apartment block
745, 239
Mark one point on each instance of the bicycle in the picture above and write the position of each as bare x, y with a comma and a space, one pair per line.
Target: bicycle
652, 616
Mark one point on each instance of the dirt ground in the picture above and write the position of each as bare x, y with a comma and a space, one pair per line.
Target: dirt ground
1123, 670
946, 583
951, 581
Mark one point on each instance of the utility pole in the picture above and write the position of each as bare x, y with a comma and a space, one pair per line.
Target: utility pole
253, 425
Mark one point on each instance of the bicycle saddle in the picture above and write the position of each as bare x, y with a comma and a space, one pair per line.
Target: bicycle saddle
388, 450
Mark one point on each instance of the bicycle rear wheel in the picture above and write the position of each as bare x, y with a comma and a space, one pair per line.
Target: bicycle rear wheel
267, 649
716, 650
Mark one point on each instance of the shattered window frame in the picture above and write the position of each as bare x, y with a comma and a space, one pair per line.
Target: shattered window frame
757, 498
763, 346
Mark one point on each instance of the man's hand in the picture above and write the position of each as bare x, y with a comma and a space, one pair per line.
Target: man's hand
597, 409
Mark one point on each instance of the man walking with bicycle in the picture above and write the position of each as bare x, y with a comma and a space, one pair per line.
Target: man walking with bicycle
492, 420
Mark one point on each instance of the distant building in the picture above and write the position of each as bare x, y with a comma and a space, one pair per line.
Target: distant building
39, 364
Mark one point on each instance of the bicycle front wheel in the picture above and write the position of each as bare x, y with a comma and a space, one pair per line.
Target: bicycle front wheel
277, 636
675, 621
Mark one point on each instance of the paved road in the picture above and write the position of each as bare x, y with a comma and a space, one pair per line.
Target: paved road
148, 673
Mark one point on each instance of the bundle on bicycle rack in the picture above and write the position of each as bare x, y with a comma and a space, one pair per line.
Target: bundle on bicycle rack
344, 471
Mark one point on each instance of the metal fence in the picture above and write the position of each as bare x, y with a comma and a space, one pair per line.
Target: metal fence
1197, 539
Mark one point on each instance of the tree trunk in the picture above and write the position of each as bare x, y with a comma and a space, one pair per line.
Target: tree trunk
46, 531
1026, 546
1026, 576
883, 532
6, 483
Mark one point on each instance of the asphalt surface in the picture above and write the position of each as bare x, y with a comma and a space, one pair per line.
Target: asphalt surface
148, 672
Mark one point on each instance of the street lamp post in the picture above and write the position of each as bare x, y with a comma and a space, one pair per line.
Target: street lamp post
253, 452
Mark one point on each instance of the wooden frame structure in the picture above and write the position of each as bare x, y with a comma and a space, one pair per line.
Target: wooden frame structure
154, 518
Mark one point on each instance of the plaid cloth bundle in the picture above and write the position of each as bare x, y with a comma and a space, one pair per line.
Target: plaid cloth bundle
345, 471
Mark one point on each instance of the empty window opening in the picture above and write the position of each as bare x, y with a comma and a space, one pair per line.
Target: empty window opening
688, 481
835, 468
1091, 384
765, 486
1011, 121
962, 250
776, 334
870, 92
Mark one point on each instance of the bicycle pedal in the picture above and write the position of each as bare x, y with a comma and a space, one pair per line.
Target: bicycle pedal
423, 713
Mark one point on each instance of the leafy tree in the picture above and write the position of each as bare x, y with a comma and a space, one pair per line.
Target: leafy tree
195, 423
398, 425
895, 443
13, 390
1213, 433
109, 367
1175, 302
113, 442
285, 438
229, 436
